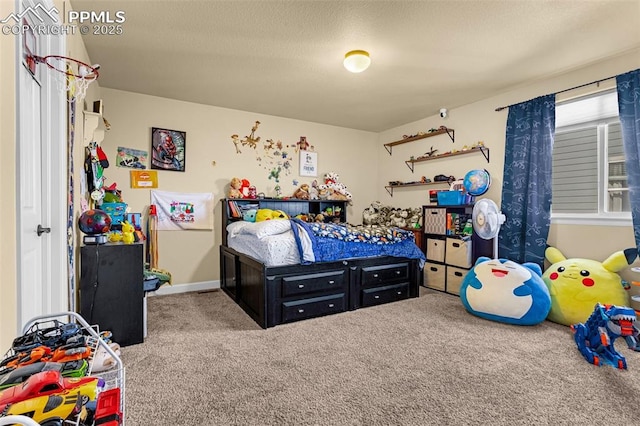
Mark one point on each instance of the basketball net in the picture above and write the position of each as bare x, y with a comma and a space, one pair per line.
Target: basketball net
72, 76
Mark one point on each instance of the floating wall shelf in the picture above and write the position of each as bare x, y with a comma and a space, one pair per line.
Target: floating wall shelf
485, 153
390, 188
450, 132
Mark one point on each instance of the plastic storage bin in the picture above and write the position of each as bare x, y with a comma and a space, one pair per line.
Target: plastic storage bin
451, 198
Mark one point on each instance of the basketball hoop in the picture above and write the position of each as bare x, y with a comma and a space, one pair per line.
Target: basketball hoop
73, 76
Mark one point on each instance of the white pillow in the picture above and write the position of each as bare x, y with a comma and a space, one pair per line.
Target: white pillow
258, 229
267, 227
235, 228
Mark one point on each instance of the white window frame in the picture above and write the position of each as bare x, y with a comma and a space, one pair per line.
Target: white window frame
571, 119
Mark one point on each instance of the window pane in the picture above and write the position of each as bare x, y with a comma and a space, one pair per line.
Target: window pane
617, 187
575, 171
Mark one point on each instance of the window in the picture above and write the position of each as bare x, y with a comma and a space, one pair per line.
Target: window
589, 176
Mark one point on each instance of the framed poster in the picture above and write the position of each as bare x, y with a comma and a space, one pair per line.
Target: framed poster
308, 163
168, 149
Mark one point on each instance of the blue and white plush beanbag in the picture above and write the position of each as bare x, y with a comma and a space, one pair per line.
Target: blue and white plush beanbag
505, 291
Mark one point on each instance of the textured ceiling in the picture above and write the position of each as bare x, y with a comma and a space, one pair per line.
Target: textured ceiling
284, 58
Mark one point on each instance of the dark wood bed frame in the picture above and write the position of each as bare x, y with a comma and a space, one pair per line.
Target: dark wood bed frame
277, 295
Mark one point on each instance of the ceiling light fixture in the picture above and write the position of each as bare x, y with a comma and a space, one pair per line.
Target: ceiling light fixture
357, 60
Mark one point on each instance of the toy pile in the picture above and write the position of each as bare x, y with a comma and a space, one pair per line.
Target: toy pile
378, 214
54, 363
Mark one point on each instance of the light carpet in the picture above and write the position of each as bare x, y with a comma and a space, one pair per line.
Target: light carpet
423, 361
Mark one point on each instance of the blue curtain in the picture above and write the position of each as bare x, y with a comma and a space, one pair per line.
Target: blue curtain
629, 110
526, 190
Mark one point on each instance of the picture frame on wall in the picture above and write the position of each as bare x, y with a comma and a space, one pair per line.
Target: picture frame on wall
308, 163
168, 149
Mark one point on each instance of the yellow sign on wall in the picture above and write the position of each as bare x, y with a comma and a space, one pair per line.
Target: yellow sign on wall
144, 179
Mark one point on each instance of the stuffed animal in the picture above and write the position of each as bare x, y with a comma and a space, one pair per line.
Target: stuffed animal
268, 214
313, 191
302, 193
235, 186
338, 190
250, 215
505, 291
244, 188
576, 285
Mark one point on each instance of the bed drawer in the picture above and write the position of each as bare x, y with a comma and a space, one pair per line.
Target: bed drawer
314, 307
376, 275
389, 293
322, 281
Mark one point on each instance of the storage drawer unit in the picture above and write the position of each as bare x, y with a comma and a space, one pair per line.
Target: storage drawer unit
313, 307
434, 276
320, 282
435, 249
376, 275
389, 293
458, 253
454, 279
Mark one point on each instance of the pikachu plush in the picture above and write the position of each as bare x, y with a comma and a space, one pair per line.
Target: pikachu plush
576, 285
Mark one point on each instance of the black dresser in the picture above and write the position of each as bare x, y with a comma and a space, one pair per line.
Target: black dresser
111, 290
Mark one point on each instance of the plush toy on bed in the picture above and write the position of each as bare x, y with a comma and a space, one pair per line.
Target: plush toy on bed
505, 291
268, 214
576, 285
250, 215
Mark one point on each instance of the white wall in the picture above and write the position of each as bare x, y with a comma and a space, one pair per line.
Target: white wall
192, 256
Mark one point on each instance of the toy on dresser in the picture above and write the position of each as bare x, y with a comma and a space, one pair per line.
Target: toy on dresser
127, 233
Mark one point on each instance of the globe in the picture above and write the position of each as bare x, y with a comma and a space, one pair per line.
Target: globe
94, 222
477, 182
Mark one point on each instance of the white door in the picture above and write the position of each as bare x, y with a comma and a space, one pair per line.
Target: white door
43, 284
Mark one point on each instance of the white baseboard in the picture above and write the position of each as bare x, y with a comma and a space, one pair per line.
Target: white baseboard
185, 288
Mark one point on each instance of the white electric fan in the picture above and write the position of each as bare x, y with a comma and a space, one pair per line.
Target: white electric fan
487, 219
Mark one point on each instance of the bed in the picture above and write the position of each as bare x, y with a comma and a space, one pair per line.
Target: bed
290, 270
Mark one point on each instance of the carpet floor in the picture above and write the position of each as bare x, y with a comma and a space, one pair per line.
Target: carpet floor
424, 361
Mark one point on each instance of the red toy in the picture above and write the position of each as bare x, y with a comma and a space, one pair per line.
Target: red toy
35, 396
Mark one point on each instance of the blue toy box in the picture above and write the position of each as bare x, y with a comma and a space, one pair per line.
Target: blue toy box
116, 211
451, 198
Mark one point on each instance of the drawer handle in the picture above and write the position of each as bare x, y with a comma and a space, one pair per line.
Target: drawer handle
375, 275
300, 311
399, 292
376, 297
300, 285
331, 305
397, 272
332, 282
456, 245
457, 274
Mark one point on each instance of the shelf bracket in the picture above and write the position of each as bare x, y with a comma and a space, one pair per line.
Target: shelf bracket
388, 148
485, 152
389, 190
409, 165
451, 133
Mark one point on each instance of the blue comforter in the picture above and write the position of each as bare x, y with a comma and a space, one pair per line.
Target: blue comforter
330, 242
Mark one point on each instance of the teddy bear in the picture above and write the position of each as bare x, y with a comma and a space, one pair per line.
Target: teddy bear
235, 186
302, 193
